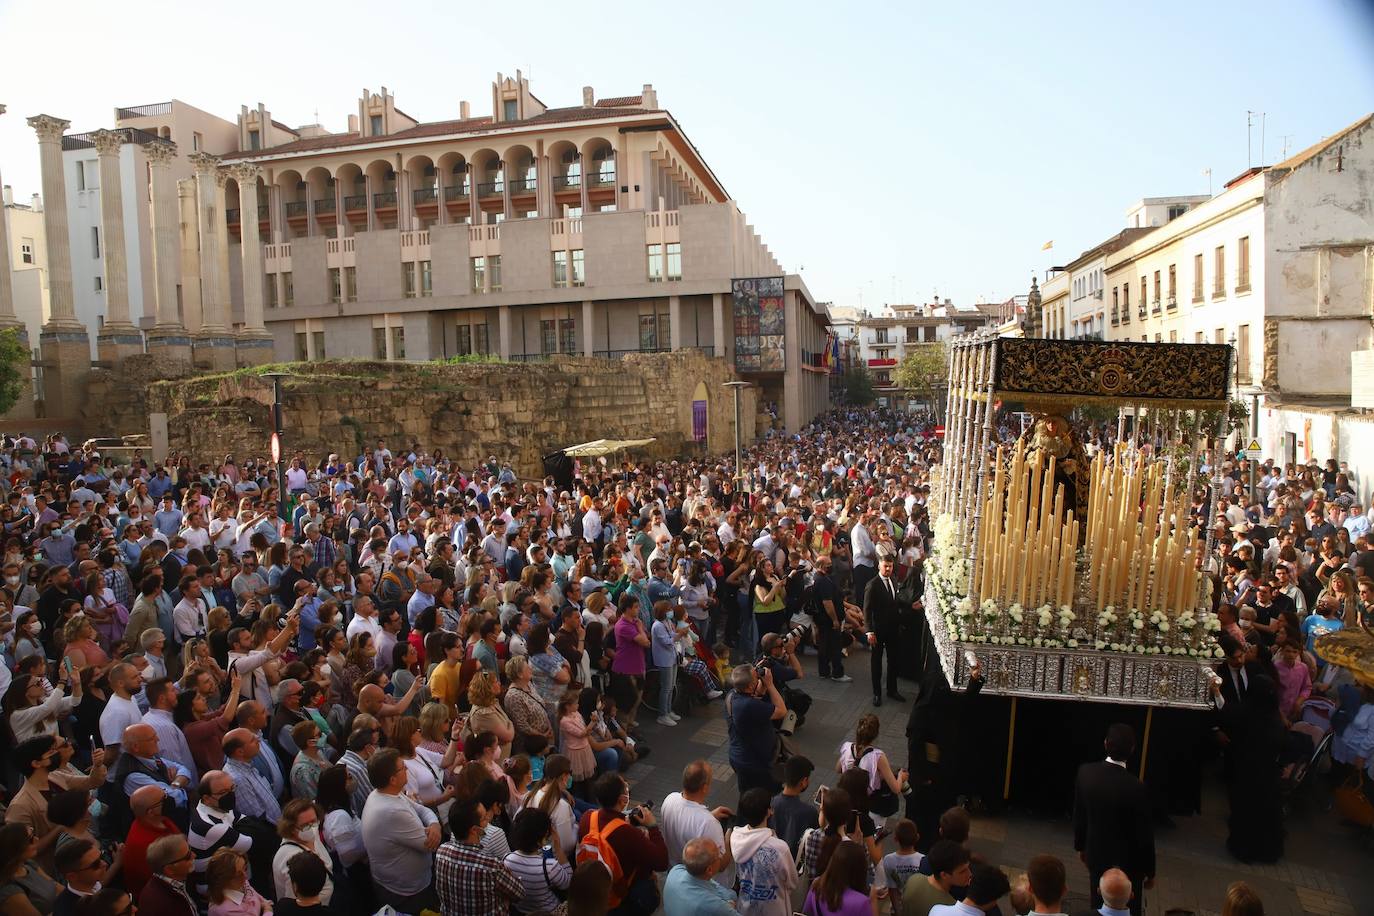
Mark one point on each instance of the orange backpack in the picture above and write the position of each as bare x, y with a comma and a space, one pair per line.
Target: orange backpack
595, 846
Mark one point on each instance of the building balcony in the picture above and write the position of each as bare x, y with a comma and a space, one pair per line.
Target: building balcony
879, 361
231, 216
1143, 312
601, 180
456, 192
1172, 304
425, 195
295, 208
1154, 307
491, 188
384, 200
355, 202
567, 182
324, 205
523, 185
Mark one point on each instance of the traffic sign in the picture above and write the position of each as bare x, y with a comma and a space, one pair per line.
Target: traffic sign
276, 449
1252, 451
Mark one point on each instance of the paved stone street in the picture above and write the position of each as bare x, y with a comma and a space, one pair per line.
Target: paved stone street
1326, 869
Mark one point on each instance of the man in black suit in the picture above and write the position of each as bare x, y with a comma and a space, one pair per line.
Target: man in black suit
1112, 823
1236, 672
881, 614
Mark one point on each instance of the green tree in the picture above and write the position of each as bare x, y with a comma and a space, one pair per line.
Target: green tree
14, 368
921, 370
857, 385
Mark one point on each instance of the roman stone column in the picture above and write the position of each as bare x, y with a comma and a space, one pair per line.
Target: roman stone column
503, 331
253, 343
117, 338
168, 337
23, 407
214, 344
675, 323
226, 301
588, 324
64, 344
188, 238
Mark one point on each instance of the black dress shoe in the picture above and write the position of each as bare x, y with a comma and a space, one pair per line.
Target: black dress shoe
896, 696
877, 700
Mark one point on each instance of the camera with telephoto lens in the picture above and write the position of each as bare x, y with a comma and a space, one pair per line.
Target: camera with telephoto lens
793, 635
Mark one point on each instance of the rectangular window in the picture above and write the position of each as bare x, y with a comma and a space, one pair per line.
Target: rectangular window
1219, 281
481, 340
254, 140
567, 335
928, 333
560, 268
319, 344
1199, 337
648, 332
1144, 295
408, 272
351, 284
95, 242
271, 290
572, 212
426, 279
375, 123
464, 346
1156, 287
1221, 336
1243, 265
1173, 284
1126, 298
1197, 278
26, 250
302, 347
398, 343
1173, 337
1116, 300
1243, 354
99, 283
494, 271
288, 289
379, 343
510, 110
674, 260
335, 285
479, 274
880, 335
548, 336
579, 267
655, 256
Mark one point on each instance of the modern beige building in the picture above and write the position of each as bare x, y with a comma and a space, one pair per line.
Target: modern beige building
28, 259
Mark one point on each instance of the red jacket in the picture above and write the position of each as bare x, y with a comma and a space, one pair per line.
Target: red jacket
136, 871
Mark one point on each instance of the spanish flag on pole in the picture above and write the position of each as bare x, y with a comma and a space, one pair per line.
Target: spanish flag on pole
1047, 246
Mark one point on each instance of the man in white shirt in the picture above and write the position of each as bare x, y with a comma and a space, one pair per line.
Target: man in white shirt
494, 544
400, 835
191, 614
364, 619
686, 817
120, 709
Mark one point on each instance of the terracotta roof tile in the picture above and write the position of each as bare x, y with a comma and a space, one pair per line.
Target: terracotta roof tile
438, 129
620, 101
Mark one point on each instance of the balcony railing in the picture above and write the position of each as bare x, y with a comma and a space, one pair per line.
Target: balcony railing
355, 202
295, 208
567, 181
1172, 303
601, 179
324, 205
523, 185
384, 199
490, 188
1143, 312
530, 357
1126, 313
455, 192
1116, 318
620, 354
1154, 308
425, 195
144, 111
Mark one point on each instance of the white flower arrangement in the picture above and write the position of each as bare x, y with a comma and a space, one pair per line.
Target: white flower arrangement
990, 609
1044, 616
1066, 616
1017, 613
1160, 621
965, 607
1136, 619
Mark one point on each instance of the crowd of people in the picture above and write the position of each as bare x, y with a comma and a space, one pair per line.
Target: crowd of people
425, 686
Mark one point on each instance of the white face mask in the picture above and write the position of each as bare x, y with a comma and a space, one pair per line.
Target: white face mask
36, 627
12, 580
309, 832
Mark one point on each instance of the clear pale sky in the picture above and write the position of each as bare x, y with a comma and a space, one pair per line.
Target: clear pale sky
887, 150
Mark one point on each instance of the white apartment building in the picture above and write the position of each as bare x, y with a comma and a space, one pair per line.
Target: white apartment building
1282, 263
28, 259
884, 339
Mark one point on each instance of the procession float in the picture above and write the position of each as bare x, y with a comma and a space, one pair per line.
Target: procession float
1065, 575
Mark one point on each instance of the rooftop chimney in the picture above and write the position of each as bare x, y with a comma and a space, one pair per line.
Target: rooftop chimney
8, 196
353, 124
36, 202
588, 97
650, 97
464, 110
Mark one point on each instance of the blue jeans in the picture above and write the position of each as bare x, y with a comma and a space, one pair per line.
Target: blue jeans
666, 677
607, 760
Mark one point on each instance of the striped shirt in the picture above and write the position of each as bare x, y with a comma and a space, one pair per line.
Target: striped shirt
211, 831
538, 876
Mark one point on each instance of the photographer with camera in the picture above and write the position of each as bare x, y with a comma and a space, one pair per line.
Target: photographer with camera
752, 707
780, 655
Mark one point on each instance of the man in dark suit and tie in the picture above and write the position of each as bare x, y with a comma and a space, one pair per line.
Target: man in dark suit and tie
1236, 672
1112, 823
881, 614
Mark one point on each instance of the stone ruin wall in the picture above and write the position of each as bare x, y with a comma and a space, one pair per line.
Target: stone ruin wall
516, 411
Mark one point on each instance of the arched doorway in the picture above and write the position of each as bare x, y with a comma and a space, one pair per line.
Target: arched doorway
700, 412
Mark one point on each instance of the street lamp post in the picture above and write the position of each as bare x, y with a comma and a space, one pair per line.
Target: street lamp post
278, 453
739, 467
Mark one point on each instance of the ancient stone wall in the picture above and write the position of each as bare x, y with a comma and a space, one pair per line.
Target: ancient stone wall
520, 411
